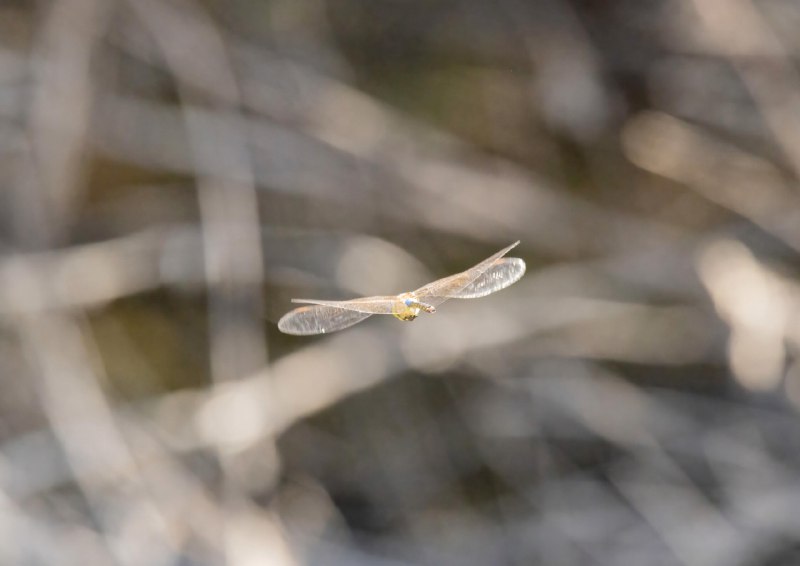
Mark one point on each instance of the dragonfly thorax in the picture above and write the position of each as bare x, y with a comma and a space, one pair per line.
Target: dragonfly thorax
407, 307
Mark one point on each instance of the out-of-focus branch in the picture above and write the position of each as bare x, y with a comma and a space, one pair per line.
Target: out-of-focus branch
740, 32
724, 174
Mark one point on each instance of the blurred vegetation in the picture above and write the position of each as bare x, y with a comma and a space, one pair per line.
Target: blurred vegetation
173, 172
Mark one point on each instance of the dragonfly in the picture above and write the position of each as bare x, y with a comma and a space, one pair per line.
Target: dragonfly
489, 276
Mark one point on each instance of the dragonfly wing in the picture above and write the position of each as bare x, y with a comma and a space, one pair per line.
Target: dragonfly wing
319, 319
368, 305
505, 271
439, 291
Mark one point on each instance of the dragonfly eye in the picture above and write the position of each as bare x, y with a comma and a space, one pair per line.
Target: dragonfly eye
408, 302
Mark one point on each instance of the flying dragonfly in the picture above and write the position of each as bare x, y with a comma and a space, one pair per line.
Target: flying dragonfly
489, 276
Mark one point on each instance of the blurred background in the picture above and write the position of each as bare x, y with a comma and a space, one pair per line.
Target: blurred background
172, 172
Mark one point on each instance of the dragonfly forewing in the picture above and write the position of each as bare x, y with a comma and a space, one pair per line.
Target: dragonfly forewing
505, 271
370, 305
439, 291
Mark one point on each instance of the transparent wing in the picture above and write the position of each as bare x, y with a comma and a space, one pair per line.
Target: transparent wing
319, 319
439, 291
370, 305
505, 271
490, 275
